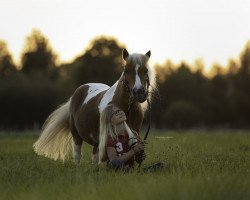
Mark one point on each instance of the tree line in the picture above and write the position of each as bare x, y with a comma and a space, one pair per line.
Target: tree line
186, 97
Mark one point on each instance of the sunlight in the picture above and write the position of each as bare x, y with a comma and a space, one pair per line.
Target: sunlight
177, 30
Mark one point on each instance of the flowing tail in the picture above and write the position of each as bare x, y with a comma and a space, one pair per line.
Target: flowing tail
55, 141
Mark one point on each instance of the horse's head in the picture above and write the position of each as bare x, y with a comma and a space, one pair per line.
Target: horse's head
136, 74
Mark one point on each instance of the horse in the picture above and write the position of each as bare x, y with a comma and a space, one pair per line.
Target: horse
78, 119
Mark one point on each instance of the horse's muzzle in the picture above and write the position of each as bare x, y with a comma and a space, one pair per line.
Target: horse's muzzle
140, 94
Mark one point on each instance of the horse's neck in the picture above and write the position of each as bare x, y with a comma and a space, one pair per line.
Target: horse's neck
122, 98
134, 112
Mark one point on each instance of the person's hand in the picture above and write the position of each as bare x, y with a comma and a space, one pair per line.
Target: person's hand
132, 142
140, 156
138, 147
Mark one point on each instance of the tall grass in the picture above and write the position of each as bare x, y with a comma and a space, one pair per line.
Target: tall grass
201, 165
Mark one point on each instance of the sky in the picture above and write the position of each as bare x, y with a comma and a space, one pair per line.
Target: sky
212, 30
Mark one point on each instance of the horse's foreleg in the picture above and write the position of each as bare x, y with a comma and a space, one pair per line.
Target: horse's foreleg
95, 155
77, 146
77, 153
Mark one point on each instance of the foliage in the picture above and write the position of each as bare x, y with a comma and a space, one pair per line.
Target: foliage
26, 105
187, 97
182, 114
222, 100
38, 57
101, 63
7, 66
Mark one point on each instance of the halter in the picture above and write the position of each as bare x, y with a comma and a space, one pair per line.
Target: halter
129, 91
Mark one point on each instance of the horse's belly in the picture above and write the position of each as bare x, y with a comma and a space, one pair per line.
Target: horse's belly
87, 116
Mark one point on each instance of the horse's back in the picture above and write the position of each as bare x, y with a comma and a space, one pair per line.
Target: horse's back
85, 93
85, 112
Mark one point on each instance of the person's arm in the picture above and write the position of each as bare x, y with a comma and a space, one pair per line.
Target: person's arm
111, 152
140, 156
136, 135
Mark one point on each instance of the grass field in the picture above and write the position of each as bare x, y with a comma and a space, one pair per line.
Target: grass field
202, 165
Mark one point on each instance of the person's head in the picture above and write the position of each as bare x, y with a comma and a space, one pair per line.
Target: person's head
117, 116
113, 115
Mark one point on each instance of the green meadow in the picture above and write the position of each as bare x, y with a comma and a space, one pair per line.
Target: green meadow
200, 165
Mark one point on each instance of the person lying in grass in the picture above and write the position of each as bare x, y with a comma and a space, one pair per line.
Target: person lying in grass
120, 146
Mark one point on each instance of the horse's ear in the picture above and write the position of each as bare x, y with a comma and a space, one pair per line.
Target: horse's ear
125, 54
148, 54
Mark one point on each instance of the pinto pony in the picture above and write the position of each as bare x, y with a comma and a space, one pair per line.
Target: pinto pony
78, 119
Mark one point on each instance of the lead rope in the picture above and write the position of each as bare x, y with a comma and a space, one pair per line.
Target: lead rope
149, 120
146, 134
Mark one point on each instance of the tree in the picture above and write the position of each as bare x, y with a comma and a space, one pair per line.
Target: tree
102, 62
38, 57
181, 84
7, 66
242, 85
245, 60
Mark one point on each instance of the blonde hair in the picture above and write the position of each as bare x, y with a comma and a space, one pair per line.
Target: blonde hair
107, 129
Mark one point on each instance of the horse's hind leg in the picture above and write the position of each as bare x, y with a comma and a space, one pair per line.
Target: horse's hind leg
77, 146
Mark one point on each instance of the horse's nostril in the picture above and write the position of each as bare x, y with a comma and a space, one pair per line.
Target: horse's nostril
134, 92
139, 91
142, 90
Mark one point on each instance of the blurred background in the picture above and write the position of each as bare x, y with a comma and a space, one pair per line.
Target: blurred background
200, 52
